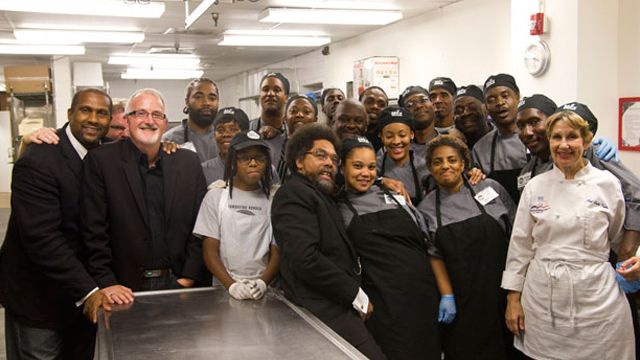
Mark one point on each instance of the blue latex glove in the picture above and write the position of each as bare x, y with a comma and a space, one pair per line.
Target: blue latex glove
605, 149
627, 286
447, 309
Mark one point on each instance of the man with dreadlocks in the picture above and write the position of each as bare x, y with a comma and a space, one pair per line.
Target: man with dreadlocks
235, 220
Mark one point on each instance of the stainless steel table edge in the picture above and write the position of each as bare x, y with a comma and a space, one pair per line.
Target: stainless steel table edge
322, 328
105, 347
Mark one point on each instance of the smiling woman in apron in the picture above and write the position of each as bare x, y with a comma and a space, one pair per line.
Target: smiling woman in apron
470, 225
401, 272
396, 129
235, 221
564, 301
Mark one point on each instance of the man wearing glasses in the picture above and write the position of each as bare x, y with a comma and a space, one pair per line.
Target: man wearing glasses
319, 267
416, 100
140, 206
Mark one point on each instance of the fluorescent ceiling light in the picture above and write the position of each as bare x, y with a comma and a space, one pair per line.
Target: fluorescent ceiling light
90, 27
337, 4
116, 8
77, 37
276, 32
249, 40
155, 60
42, 49
197, 12
134, 73
329, 16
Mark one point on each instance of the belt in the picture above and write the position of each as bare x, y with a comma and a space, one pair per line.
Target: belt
156, 273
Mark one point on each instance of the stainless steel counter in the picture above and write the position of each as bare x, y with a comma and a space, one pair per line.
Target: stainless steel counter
209, 324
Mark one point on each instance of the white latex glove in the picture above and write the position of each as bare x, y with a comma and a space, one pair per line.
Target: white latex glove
259, 289
240, 291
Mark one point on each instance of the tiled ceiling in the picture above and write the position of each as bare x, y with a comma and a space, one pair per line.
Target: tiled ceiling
218, 61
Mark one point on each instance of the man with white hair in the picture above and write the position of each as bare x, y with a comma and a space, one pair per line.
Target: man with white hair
140, 206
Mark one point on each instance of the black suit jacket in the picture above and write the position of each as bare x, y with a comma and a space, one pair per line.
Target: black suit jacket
114, 214
41, 273
319, 268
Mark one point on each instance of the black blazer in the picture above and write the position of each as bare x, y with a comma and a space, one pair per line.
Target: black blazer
319, 268
41, 273
114, 214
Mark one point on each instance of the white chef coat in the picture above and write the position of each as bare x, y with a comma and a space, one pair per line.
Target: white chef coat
558, 258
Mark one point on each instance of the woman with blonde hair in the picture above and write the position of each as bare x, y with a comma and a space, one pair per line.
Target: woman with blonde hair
564, 301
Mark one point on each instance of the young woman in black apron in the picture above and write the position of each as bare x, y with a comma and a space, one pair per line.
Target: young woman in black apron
473, 226
395, 254
397, 161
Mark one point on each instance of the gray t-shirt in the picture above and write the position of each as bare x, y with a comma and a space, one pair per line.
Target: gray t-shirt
205, 144
404, 172
510, 152
213, 169
276, 143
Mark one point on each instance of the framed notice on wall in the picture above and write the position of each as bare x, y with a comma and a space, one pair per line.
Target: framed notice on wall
629, 124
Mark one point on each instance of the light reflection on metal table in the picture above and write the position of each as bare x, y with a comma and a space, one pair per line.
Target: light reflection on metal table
208, 324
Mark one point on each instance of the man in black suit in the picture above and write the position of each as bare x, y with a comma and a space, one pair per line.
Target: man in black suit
43, 281
319, 266
139, 206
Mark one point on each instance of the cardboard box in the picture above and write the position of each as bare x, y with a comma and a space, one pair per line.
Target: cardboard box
27, 79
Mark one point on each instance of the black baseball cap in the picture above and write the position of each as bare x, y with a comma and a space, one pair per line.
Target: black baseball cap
247, 139
231, 113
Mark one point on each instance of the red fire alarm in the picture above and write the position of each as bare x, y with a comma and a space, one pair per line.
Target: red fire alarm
536, 24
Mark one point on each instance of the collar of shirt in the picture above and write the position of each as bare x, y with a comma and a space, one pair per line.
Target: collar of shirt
143, 159
77, 146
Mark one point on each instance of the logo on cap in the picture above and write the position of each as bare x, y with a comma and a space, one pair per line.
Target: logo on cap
272, 74
253, 135
396, 113
462, 92
362, 140
405, 92
571, 107
490, 82
522, 102
438, 82
229, 112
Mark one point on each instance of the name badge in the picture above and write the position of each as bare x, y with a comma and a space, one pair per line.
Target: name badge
399, 198
486, 195
523, 180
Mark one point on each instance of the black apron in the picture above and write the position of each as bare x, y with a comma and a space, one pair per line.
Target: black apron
475, 251
507, 178
397, 277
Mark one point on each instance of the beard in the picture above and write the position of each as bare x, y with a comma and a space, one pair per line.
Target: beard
202, 120
326, 186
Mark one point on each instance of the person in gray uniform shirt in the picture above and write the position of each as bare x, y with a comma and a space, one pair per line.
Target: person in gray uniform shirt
229, 122
416, 100
470, 114
329, 101
402, 271
398, 161
196, 133
274, 91
500, 154
471, 225
441, 93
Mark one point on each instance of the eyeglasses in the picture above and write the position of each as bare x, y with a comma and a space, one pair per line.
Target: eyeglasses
246, 158
323, 156
144, 114
418, 101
